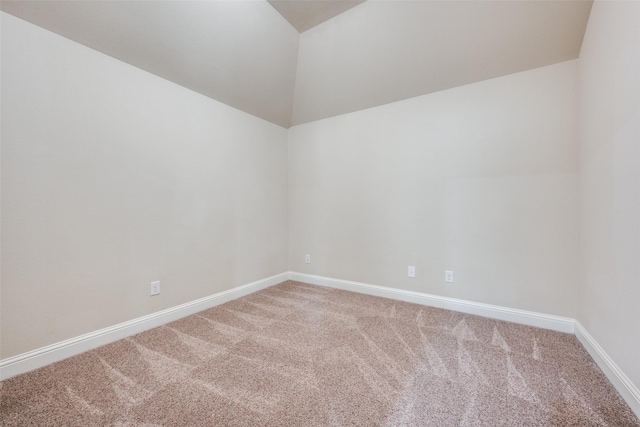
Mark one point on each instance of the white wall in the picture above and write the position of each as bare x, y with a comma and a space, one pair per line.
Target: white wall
112, 178
241, 53
480, 179
382, 51
609, 304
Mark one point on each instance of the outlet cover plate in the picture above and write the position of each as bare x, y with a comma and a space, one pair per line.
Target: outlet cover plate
411, 271
448, 276
155, 287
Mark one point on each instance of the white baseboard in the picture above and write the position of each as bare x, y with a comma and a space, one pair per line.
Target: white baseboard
620, 381
530, 318
43, 356
53, 353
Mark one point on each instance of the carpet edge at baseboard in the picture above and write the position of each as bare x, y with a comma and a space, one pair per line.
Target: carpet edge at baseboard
530, 318
629, 392
618, 378
43, 356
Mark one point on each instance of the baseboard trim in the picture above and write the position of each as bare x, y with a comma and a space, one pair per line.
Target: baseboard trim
620, 381
43, 356
530, 318
53, 353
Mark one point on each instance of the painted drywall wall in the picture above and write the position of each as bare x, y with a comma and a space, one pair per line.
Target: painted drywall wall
609, 297
480, 179
385, 51
241, 53
112, 178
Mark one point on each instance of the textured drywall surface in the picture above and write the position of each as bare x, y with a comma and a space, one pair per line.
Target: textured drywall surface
480, 179
385, 51
113, 178
241, 53
244, 54
610, 182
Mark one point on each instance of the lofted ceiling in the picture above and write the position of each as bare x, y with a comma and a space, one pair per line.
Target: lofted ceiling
385, 51
296, 61
305, 14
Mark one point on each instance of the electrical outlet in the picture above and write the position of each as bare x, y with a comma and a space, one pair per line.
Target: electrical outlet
411, 272
307, 259
155, 287
448, 276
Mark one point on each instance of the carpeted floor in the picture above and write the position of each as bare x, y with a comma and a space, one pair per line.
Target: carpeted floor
302, 355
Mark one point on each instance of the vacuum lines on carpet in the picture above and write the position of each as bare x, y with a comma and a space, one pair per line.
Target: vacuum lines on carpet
302, 355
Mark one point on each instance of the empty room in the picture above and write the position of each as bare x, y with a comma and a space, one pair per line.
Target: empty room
320, 213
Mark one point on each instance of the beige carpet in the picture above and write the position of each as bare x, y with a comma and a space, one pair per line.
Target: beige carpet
301, 355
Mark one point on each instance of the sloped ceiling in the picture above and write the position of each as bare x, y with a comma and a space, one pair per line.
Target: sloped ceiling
385, 51
246, 55
242, 53
304, 15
